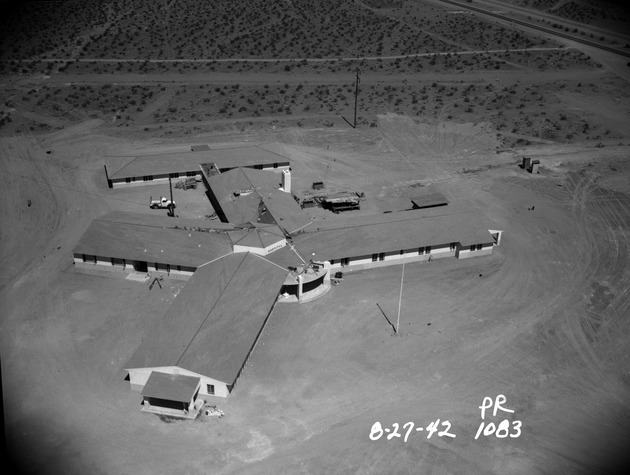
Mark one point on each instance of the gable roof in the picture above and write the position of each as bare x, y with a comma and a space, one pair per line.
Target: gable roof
178, 162
161, 220
213, 323
247, 195
426, 200
115, 236
256, 235
172, 387
370, 234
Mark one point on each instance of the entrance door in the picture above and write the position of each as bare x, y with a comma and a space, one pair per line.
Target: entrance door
140, 266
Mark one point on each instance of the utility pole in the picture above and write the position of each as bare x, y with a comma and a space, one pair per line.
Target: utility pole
356, 95
171, 207
400, 297
356, 100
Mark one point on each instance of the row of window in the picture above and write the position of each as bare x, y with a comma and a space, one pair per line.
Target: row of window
378, 257
123, 262
189, 173
421, 251
131, 179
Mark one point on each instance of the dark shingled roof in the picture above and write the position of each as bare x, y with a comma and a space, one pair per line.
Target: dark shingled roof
256, 235
172, 387
178, 162
365, 235
427, 200
159, 219
244, 194
214, 321
117, 236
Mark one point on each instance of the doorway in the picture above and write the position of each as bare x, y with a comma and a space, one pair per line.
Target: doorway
140, 266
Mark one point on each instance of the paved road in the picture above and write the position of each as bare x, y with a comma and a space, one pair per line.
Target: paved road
529, 24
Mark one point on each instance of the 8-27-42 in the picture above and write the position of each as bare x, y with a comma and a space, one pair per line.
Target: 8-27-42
409, 428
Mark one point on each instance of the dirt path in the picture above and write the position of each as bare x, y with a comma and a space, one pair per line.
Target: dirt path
367, 77
291, 60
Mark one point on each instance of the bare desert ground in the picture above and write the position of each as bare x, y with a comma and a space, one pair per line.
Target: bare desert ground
543, 321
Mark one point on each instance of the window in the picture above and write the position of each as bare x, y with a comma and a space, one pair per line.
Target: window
275, 165
345, 261
479, 246
472, 248
420, 251
402, 252
128, 180
258, 167
173, 175
191, 173
453, 246
156, 266
84, 258
179, 268
210, 389
147, 178
381, 256
332, 261
374, 257
427, 250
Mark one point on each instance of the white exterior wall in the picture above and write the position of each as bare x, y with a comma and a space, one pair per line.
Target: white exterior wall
105, 263
138, 378
286, 181
139, 181
394, 258
499, 233
269, 166
260, 251
465, 252
185, 271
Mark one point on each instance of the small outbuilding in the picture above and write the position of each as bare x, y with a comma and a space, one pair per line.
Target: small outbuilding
172, 395
429, 200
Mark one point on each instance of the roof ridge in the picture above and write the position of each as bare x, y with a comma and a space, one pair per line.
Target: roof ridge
259, 237
214, 260
126, 165
267, 260
260, 146
210, 311
392, 221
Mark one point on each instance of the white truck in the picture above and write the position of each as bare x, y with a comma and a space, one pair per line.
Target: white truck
162, 203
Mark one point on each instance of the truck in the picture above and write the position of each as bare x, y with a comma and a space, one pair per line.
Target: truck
162, 203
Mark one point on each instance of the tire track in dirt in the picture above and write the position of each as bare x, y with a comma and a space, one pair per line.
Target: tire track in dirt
21, 223
604, 330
